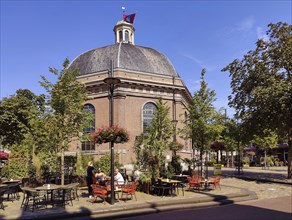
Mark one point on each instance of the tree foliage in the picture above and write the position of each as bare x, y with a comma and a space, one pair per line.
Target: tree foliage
21, 115
151, 146
261, 85
65, 116
202, 123
267, 140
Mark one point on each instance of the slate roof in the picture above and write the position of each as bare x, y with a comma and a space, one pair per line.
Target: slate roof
125, 56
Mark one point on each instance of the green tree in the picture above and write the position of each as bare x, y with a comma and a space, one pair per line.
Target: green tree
266, 140
22, 129
231, 137
261, 85
151, 146
65, 116
202, 123
20, 115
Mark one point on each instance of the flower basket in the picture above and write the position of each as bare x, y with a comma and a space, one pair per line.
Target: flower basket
110, 134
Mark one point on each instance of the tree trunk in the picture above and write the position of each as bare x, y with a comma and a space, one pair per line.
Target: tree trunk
265, 158
289, 157
62, 164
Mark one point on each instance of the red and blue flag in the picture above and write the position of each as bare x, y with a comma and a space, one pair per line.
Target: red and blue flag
129, 18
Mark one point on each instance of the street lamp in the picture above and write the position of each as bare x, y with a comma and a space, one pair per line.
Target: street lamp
111, 82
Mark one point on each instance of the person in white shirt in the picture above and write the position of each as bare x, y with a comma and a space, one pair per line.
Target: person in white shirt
118, 177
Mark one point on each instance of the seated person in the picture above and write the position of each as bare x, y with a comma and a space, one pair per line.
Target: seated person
118, 177
137, 174
100, 176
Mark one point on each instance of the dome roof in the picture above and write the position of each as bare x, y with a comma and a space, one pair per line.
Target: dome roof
125, 56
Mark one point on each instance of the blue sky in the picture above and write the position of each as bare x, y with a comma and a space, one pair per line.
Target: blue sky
193, 34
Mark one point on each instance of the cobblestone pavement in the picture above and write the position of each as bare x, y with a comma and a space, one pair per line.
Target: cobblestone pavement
229, 185
263, 190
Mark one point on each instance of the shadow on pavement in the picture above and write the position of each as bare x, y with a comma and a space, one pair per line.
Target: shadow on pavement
229, 212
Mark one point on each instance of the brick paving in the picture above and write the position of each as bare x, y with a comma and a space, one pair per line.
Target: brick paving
231, 187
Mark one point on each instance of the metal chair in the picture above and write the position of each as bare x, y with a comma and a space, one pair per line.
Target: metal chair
32, 197
2, 191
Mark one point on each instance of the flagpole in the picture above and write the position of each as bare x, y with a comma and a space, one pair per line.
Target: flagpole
124, 10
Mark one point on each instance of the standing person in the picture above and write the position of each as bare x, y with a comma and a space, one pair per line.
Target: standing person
118, 177
89, 177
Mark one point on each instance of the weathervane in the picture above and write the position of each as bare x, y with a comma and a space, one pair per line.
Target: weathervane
124, 10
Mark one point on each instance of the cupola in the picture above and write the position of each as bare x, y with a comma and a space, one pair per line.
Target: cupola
124, 32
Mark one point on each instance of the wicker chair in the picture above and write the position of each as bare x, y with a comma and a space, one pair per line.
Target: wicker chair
194, 183
215, 181
130, 190
99, 191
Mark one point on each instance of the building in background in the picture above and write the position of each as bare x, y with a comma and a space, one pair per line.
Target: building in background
146, 75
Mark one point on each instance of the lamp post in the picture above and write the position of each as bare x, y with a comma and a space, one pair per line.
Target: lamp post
111, 82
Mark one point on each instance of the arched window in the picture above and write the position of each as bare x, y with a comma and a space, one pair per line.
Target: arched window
87, 145
120, 36
90, 108
148, 111
127, 36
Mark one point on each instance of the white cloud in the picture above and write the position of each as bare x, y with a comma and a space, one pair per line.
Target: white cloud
193, 85
261, 34
202, 64
246, 24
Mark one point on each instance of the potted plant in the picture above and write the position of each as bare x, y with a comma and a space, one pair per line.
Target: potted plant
246, 162
110, 134
145, 180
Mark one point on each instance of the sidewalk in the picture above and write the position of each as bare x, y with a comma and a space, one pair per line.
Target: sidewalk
272, 174
145, 203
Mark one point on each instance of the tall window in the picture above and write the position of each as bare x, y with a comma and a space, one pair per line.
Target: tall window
148, 111
127, 36
87, 145
121, 36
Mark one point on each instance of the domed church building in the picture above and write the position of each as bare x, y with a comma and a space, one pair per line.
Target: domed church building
145, 76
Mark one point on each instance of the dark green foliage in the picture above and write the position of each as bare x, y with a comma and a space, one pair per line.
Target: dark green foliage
20, 115
104, 163
261, 86
175, 164
150, 147
202, 124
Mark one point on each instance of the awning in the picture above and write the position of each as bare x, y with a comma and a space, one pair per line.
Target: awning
4, 156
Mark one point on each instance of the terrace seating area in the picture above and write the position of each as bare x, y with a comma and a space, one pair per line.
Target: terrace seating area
37, 196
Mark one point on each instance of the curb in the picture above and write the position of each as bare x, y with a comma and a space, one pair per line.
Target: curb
264, 180
156, 207
198, 203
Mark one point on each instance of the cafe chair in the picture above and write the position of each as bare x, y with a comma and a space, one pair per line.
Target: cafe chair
215, 181
182, 186
163, 188
12, 191
63, 196
99, 191
33, 198
2, 191
194, 182
129, 190
74, 187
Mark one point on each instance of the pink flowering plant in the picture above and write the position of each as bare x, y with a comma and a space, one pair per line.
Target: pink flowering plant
108, 134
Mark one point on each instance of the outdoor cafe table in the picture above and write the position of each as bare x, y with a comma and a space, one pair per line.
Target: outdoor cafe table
10, 181
205, 183
183, 178
49, 190
117, 190
173, 184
